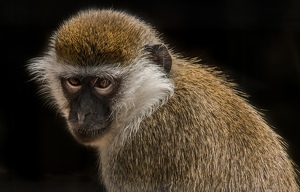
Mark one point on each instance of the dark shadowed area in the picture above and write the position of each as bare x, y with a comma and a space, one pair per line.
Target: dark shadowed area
256, 42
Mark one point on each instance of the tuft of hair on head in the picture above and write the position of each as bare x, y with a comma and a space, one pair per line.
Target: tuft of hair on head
105, 36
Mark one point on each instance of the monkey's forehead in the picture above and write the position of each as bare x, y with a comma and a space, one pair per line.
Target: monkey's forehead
101, 36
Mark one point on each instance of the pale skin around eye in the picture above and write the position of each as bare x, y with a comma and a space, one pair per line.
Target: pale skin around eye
101, 85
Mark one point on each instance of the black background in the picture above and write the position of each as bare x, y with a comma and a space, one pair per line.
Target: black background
255, 42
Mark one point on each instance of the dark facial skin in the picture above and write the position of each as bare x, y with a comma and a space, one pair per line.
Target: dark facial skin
89, 101
90, 98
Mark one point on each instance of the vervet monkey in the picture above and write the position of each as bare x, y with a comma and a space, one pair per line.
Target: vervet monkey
160, 122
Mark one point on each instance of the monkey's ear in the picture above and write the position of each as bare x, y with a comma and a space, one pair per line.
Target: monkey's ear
160, 54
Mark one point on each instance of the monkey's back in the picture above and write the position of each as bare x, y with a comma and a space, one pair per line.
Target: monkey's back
205, 138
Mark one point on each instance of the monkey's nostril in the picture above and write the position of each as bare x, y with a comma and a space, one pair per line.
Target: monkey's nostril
82, 116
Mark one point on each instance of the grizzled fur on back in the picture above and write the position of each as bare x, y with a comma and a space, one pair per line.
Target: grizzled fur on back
99, 37
205, 138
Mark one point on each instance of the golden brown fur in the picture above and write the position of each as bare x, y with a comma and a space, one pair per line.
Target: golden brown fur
205, 138
94, 37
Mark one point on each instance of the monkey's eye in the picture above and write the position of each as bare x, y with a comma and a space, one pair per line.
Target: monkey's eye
74, 81
102, 83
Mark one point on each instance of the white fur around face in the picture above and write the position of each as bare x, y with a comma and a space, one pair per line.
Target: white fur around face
143, 88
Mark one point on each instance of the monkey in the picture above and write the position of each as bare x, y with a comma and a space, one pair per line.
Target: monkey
158, 121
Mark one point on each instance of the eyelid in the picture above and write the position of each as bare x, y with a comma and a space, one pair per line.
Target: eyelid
101, 81
72, 88
76, 79
106, 90
112, 80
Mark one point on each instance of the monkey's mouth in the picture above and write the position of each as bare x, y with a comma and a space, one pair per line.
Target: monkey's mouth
87, 135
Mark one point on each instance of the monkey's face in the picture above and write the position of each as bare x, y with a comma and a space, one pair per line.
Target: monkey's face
90, 101
105, 102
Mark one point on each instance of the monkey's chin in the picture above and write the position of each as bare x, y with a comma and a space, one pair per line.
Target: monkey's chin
88, 136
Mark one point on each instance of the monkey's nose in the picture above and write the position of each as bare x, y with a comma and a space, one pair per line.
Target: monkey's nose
81, 116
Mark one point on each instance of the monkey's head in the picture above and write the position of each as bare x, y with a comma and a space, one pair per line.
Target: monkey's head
105, 71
